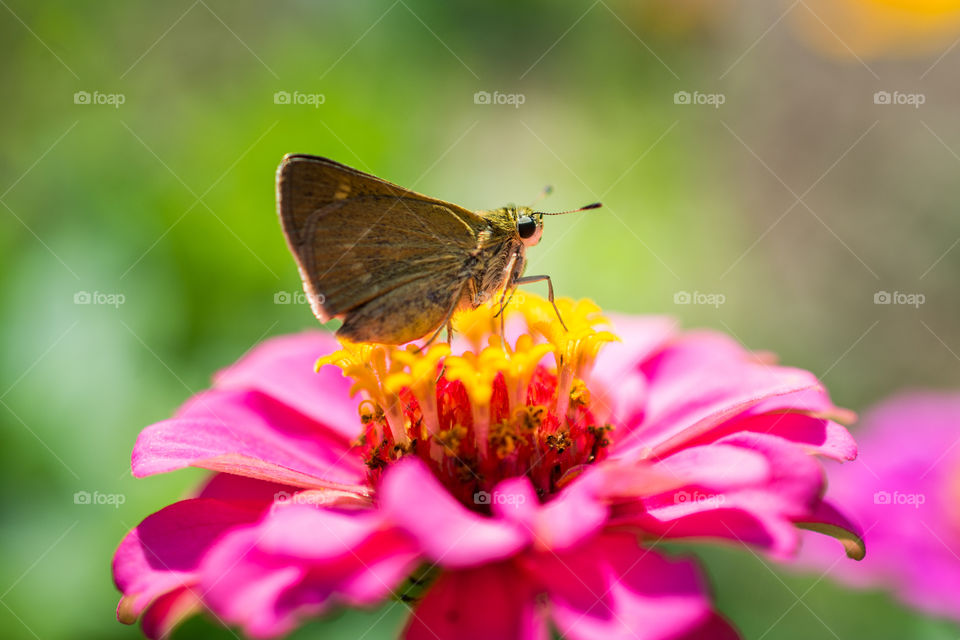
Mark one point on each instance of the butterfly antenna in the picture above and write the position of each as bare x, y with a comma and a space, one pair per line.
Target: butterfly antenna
595, 205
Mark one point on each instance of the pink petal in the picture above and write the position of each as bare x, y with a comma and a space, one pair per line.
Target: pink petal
164, 552
224, 486
732, 523
298, 563
617, 380
759, 513
447, 532
491, 601
813, 401
796, 480
717, 466
248, 434
283, 368
699, 382
242, 587
516, 500
614, 588
716, 627
903, 490
640, 338
573, 515
168, 611
577, 512
315, 534
816, 435
621, 402
828, 520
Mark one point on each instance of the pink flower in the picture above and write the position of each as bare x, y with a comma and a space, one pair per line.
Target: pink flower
500, 491
905, 491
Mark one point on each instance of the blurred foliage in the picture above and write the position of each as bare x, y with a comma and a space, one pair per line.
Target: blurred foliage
168, 200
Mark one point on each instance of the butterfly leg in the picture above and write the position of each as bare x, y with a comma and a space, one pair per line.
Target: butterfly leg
503, 324
443, 367
532, 279
448, 320
435, 335
514, 268
504, 301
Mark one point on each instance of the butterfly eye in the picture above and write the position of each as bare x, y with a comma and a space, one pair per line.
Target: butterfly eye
526, 227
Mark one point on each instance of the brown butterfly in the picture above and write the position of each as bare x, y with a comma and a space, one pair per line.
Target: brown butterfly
393, 264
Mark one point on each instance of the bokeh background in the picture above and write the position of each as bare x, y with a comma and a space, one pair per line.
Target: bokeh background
140, 251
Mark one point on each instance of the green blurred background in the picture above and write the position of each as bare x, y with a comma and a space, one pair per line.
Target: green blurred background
797, 200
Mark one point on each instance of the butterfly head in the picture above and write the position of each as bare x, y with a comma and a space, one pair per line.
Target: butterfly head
529, 225
530, 222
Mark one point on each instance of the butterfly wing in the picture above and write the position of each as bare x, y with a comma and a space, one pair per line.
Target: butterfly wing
406, 313
389, 261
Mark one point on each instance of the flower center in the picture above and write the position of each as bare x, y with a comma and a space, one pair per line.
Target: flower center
491, 412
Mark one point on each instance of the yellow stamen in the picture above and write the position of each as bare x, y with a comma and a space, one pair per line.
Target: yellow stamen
450, 439
369, 366
382, 372
478, 324
577, 347
579, 394
418, 371
504, 439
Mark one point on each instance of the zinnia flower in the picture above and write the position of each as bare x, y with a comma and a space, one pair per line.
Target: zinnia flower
496, 489
905, 490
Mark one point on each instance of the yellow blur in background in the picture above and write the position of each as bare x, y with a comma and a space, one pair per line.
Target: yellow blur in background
875, 28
